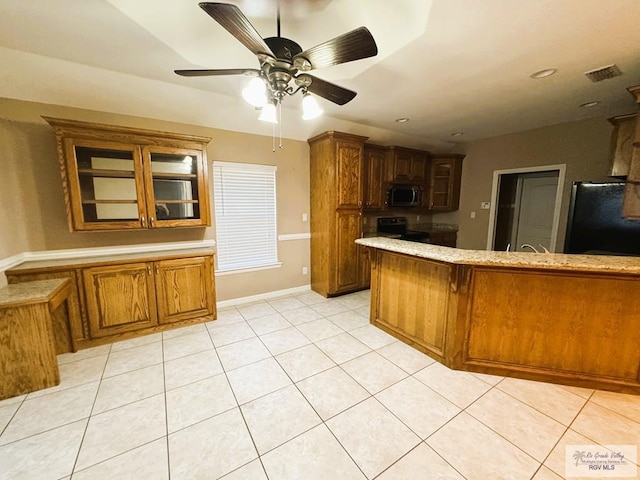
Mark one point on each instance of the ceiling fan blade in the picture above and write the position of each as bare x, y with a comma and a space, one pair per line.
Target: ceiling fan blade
328, 90
234, 21
353, 45
248, 72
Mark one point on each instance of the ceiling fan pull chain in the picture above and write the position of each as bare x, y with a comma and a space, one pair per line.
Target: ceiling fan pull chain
280, 122
273, 137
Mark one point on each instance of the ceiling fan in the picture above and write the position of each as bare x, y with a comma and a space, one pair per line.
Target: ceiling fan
282, 60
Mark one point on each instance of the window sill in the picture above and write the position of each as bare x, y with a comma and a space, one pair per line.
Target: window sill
221, 273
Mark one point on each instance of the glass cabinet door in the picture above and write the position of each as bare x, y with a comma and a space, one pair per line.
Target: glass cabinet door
441, 177
174, 193
108, 186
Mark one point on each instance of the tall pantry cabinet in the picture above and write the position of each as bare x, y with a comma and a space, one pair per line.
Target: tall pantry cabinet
338, 264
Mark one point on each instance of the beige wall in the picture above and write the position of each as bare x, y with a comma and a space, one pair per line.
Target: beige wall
32, 208
583, 146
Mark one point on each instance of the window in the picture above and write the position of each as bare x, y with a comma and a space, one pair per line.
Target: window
245, 209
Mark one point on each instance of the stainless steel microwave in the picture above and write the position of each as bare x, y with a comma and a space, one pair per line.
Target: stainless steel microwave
404, 196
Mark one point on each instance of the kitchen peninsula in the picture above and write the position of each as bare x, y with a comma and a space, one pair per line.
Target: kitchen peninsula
572, 319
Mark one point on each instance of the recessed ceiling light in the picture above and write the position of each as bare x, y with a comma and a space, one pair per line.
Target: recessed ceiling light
457, 134
547, 72
589, 104
402, 120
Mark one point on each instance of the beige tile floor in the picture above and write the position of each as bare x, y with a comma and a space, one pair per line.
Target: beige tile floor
298, 387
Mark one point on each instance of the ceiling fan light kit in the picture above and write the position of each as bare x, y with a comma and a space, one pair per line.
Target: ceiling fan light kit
284, 65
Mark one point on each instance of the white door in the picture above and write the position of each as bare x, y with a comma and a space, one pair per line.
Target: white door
535, 207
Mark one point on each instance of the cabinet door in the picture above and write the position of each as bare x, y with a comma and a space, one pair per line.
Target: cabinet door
444, 184
349, 156
347, 268
106, 189
621, 147
184, 289
373, 169
401, 166
175, 187
419, 163
120, 298
440, 185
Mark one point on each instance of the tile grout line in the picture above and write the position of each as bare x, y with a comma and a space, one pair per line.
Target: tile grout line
93, 405
239, 410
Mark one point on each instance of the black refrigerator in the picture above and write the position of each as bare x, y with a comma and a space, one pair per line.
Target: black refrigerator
596, 225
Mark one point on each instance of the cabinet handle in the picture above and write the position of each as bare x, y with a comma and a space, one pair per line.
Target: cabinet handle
148, 269
152, 220
157, 270
143, 221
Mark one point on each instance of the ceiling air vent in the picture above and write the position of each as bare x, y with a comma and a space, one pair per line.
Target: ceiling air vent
603, 73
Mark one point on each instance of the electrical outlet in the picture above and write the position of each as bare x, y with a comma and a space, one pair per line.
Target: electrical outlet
417, 218
473, 214
485, 205
305, 270
304, 217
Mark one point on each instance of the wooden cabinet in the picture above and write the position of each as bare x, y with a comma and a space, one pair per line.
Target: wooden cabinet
445, 174
78, 329
408, 165
631, 205
621, 147
29, 340
120, 298
444, 239
374, 170
123, 296
118, 178
184, 289
336, 165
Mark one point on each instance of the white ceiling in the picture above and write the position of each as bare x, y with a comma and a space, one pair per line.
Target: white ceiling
448, 65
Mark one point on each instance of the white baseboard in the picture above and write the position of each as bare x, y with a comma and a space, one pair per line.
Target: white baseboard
263, 296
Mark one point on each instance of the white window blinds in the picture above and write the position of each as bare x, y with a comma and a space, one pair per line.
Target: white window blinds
245, 208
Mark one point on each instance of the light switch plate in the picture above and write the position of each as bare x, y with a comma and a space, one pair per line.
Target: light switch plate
485, 205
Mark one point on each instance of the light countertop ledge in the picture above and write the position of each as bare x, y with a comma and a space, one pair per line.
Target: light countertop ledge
550, 261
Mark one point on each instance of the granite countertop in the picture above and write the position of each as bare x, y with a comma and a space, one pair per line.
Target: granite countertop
36, 291
543, 261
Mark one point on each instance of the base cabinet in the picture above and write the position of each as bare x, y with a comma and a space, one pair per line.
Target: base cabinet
121, 297
129, 297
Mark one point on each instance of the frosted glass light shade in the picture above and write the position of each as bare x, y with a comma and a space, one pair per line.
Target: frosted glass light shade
268, 113
310, 107
255, 93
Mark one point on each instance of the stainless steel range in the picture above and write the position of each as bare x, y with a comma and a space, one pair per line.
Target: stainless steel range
398, 226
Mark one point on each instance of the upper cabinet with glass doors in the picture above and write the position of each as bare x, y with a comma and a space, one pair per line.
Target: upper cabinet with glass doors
118, 178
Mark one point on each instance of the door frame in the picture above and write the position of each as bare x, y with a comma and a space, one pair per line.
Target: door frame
495, 188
